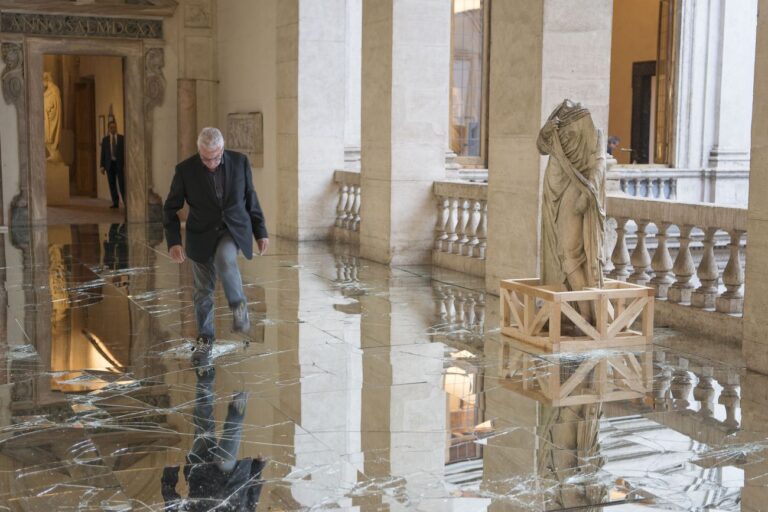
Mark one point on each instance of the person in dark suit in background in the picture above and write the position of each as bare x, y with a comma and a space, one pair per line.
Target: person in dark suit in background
113, 163
224, 217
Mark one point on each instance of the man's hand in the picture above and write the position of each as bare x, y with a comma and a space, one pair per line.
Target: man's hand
103, 170
177, 254
263, 244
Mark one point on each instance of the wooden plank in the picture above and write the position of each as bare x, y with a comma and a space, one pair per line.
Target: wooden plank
555, 313
516, 309
601, 316
628, 341
541, 317
627, 317
608, 397
578, 377
632, 360
609, 309
539, 341
601, 377
504, 306
633, 379
580, 322
648, 319
579, 295
528, 313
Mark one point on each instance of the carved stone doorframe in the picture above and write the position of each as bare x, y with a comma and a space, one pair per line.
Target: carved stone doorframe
144, 87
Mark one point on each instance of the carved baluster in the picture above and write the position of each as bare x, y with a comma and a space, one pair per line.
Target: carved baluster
705, 295
340, 213
440, 310
472, 225
684, 269
662, 263
673, 187
661, 381
482, 231
349, 216
480, 312
442, 220
620, 255
450, 307
356, 210
681, 385
732, 300
354, 262
730, 399
470, 316
340, 269
461, 230
460, 312
704, 392
641, 258
450, 228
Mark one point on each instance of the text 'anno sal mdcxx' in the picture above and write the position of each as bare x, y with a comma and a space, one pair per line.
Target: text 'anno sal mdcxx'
63, 25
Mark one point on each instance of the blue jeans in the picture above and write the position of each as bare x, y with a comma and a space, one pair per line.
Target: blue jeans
205, 447
223, 265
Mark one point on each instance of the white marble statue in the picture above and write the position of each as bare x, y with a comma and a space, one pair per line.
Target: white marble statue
573, 215
52, 107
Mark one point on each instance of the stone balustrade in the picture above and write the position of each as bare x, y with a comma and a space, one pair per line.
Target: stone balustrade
680, 281
461, 226
653, 184
347, 225
461, 311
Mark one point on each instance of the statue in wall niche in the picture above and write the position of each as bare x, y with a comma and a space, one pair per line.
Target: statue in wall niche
573, 217
52, 107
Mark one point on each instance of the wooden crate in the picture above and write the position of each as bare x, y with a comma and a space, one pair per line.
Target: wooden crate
533, 313
576, 378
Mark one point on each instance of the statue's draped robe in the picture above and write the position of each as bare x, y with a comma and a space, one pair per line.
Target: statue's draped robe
52, 106
573, 218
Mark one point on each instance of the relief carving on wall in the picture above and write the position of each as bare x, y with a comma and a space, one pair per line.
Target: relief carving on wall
197, 14
154, 92
13, 74
245, 134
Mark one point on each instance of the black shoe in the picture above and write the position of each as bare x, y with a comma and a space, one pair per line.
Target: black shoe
240, 320
202, 351
115, 206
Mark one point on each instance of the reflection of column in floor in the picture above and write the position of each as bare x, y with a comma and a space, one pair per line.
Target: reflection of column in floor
404, 431
754, 403
331, 405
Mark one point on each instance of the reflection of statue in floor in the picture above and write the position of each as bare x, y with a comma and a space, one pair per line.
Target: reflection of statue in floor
569, 456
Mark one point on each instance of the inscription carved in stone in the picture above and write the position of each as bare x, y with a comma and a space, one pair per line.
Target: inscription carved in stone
80, 26
245, 134
13, 74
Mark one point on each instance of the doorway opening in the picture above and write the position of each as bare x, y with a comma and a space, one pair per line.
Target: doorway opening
85, 166
642, 80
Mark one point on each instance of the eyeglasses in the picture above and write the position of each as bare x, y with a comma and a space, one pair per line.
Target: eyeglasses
214, 159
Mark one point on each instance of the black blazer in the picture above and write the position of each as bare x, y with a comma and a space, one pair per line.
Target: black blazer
241, 212
106, 158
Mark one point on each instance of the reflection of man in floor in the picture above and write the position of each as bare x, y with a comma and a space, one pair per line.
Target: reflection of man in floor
216, 478
116, 248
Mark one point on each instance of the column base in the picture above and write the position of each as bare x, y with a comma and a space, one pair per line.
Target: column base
662, 289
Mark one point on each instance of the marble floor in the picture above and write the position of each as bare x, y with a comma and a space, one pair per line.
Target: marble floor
360, 387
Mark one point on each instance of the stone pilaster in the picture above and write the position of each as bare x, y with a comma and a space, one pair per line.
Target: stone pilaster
310, 114
406, 52
755, 343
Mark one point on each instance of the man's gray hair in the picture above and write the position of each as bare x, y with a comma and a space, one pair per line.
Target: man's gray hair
210, 139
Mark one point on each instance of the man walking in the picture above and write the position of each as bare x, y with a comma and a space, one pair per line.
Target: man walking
113, 162
224, 214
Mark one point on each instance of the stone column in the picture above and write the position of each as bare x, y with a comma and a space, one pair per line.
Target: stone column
354, 49
406, 52
543, 52
754, 343
310, 114
733, 109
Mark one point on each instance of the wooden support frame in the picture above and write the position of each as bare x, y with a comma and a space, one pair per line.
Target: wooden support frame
533, 314
576, 378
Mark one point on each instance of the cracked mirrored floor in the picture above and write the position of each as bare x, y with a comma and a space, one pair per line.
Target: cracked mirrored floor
359, 387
